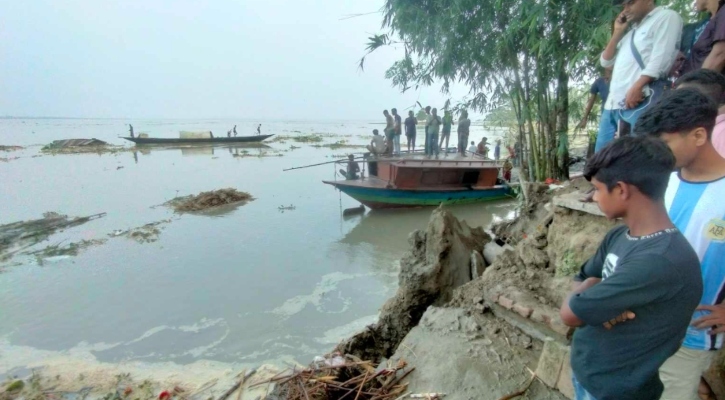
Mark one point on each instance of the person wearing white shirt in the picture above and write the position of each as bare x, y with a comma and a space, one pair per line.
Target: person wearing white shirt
472, 148
653, 38
377, 144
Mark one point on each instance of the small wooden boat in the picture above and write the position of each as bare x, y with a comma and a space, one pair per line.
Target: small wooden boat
206, 140
416, 182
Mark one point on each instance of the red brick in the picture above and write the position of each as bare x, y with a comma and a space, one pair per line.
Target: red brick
505, 302
523, 311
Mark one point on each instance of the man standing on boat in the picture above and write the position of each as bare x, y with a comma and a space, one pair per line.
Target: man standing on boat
410, 127
464, 126
446, 132
235, 130
427, 135
130, 129
397, 128
259, 129
433, 127
389, 131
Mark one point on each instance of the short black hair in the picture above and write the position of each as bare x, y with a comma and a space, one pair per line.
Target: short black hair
394, 110
681, 111
707, 81
640, 161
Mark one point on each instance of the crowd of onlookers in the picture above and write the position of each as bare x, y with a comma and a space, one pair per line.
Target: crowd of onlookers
648, 306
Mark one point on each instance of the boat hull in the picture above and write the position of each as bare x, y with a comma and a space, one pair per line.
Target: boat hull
382, 198
226, 140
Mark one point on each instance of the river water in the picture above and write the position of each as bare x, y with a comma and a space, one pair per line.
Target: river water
253, 284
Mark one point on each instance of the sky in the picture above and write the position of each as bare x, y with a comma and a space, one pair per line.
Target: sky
268, 59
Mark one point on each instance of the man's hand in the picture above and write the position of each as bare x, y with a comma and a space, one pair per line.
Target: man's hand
619, 26
634, 96
716, 318
626, 316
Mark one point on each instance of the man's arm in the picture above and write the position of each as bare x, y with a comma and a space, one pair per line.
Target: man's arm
587, 111
716, 59
566, 314
633, 285
715, 321
610, 52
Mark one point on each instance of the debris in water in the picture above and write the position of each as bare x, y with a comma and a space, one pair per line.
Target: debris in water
290, 207
339, 376
148, 233
56, 252
11, 148
208, 200
77, 146
18, 236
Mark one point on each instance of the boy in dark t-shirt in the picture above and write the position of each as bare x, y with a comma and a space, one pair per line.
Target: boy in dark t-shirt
644, 272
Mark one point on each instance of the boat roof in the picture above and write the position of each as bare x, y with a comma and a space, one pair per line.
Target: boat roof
443, 161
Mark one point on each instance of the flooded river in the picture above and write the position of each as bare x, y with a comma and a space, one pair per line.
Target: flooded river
252, 284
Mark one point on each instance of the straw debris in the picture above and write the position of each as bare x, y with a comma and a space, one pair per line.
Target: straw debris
207, 200
336, 377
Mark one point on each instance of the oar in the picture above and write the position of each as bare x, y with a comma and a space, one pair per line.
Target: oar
324, 163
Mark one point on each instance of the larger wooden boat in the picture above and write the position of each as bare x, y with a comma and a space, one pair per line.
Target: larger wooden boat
418, 181
206, 140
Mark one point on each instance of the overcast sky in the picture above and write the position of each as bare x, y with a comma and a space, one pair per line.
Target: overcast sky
286, 59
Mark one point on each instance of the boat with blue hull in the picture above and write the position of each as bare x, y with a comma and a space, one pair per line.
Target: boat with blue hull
418, 182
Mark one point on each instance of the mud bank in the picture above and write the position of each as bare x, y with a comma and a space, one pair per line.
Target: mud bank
488, 330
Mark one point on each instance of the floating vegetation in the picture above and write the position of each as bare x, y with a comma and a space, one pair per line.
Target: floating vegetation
208, 200
59, 252
11, 148
340, 144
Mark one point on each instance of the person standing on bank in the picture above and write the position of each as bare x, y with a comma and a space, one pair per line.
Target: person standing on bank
685, 120
640, 57
633, 300
410, 127
600, 88
708, 52
397, 131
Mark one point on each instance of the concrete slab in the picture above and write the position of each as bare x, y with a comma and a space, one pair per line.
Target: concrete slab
571, 201
551, 362
565, 385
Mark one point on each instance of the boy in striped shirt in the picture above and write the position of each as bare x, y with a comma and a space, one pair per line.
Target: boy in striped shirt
695, 201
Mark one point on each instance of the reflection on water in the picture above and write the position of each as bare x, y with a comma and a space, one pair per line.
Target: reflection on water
205, 150
252, 285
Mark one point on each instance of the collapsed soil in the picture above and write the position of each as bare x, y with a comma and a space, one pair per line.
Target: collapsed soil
208, 200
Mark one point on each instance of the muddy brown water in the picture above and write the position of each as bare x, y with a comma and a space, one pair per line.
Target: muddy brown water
249, 284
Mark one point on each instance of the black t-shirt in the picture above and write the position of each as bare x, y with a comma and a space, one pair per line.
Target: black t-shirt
714, 32
410, 123
658, 278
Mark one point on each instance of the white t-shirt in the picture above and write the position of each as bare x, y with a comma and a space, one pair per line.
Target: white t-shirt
657, 38
379, 143
472, 148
